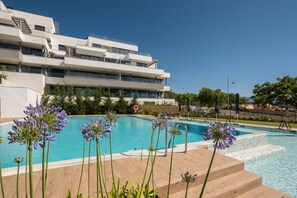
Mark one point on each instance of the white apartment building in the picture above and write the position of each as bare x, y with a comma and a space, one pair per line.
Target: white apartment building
33, 55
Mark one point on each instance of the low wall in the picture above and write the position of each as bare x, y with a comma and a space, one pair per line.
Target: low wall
13, 100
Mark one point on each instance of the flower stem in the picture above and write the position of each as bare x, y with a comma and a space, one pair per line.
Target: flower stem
89, 167
111, 163
47, 159
82, 168
208, 171
1, 181
26, 173
171, 158
147, 163
43, 169
153, 161
103, 173
187, 187
99, 180
31, 171
17, 183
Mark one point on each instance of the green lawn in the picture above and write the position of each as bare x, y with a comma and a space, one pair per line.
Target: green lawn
265, 123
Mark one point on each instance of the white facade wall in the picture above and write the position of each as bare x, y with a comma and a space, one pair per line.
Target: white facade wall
34, 19
34, 82
23, 88
57, 40
110, 43
141, 101
13, 100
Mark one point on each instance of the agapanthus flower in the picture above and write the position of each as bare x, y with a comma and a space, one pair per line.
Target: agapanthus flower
96, 129
41, 122
188, 178
112, 119
175, 130
50, 118
160, 122
18, 159
220, 133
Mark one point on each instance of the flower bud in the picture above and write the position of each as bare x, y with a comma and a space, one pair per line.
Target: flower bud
19, 159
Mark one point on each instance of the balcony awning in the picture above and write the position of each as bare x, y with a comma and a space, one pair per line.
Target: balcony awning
91, 51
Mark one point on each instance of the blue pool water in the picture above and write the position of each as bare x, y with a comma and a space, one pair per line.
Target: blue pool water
131, 134
279, 170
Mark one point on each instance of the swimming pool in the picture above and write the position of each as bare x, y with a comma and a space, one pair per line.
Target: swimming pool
131, 134
279, 170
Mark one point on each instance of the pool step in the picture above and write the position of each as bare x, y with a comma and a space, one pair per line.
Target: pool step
225, 187
264, 192
222, 166
255, 153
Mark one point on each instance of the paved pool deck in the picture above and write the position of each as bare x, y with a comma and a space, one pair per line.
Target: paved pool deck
227, 178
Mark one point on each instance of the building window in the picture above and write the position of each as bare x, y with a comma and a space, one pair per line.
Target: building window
120, 51
34, 70
141, 64
96, 45
110, 60
60, 73
9, 46
62, 48
32, 51
6, 67
40, 28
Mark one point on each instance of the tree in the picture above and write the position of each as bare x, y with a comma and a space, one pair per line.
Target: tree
45, 97
285, 91
62, 97
88, 104
107, 105
132, 103
244, 101
170, 94
263, 94
79, 107
57, 94
97, 101
223, 97
206, 97
70, 102
122, 104
281, 93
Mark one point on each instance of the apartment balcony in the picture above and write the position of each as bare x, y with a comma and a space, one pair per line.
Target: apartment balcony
10, 33
39, 61
96, 82
93, 65
139, 58
90, 51
44, 34
10, 55
16, 35
5, 17
166, 88
58, 53
54, 80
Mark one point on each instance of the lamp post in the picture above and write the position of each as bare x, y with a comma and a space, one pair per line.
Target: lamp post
229, 102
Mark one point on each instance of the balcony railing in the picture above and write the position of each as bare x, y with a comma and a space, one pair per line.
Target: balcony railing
111, 39
111, 77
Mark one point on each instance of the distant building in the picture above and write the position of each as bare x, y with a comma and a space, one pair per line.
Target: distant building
33, 55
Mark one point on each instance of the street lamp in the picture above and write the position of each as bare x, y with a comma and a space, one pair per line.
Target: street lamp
229, 102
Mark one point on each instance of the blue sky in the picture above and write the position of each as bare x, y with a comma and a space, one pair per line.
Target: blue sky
200, 43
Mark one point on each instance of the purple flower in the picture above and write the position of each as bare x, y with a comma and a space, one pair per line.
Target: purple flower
220, 133
112, 119
160, 122
41, 121
97, 129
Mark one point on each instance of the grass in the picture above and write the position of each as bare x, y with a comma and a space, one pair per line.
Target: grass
252, 122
